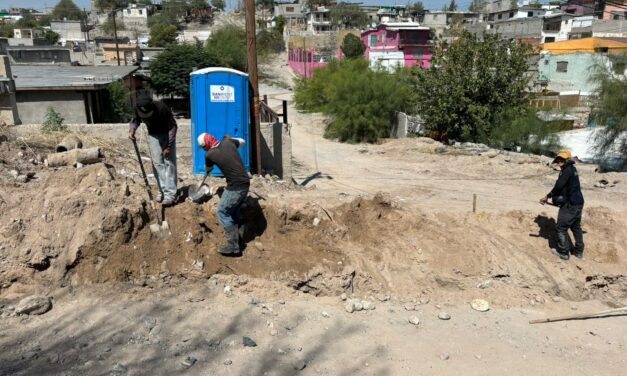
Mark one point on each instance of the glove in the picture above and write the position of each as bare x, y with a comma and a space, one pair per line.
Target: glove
544, 200
131, 135
166, 152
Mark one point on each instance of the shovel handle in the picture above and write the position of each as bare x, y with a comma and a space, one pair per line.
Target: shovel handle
141, 165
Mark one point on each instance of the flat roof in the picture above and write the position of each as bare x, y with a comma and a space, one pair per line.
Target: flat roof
218, 70
63, 77
37, 48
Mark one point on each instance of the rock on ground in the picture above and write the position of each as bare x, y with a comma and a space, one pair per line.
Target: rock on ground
33, 305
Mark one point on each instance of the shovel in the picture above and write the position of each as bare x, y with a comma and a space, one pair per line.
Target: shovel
161, 229
198, 192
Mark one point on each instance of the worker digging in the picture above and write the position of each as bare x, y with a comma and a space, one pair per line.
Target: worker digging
567, 195
162, 129
224, 155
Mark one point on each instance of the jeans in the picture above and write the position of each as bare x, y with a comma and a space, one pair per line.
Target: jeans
164, 168
569, 217
228, 208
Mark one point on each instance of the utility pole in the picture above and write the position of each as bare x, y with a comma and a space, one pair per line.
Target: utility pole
115, 35
251, 49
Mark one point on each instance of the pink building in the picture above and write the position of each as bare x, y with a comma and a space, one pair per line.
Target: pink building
303, 62
615, 12
403, 44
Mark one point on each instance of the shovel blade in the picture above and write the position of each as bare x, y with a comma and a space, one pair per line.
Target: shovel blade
161, 232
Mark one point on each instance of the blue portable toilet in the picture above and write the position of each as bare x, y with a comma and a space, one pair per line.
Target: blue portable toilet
219, 105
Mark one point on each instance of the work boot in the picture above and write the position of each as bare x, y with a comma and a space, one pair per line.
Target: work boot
168, 202
563, 256
231, 234
159, 197
578, 254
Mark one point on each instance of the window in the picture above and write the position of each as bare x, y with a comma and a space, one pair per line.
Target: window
562, 66
141, 11
289, 9
417, 53
529, 14
500, 16
549, 39
511, 14
128, 11
373, 40
616, 17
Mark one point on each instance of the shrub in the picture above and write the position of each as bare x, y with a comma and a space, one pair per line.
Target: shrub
359, 101
118, 101
53, 122
270, 42
353, 47
523, 128
169, 73
228, 44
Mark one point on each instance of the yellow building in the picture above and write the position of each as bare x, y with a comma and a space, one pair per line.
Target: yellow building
593, 44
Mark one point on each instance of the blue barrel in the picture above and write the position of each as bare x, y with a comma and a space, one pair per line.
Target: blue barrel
220, 106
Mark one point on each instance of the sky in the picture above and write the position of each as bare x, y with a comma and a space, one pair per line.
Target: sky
42, 4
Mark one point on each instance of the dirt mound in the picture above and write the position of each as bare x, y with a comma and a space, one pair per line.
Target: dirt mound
90, 225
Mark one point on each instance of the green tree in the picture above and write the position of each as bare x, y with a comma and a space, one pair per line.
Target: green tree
280, 23
270, 42
118, 102
218, 4
51, 37
169, 73
348, 15
470, 84
108, 5
28, 21
67, 9
228, 43
53, 122
107, 26
610, 108
521, 127
162, 35
452, 7
416, 8
358, 100
266, 4
198, 4
476, 6
352, 46
171, 13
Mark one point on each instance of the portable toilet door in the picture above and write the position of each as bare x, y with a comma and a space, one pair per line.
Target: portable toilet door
219, 106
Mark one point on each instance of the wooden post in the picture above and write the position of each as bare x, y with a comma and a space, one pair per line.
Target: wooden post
251, 49
115, 35
474, 202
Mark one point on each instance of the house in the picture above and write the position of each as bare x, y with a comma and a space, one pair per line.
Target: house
307, 52
581, 7
8, 105
293, 14
556, 27
79, 94
615, 11
39, 55
69, 30
402, 44
318, 18
27, 33
526, 29
127, 53
568, 66
134, 18
441, 21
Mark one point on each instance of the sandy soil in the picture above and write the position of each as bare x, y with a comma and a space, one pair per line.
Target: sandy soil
391, 224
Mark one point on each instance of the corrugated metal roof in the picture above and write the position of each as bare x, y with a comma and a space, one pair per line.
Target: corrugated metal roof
59, 77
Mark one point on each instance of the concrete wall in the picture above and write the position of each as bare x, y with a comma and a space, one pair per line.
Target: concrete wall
276, 150
576, 78
8, 108
32, 106
614, 28
68, 30
518, 28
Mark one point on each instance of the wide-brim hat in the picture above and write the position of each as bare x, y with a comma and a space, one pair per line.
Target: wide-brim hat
145, 107
564, 154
